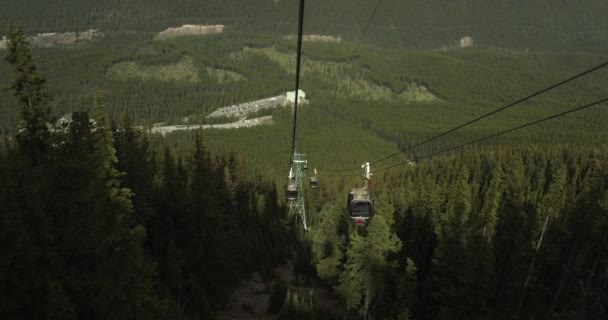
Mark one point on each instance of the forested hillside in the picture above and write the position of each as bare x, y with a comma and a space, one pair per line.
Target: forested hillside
398, 96
102, 219
533, 24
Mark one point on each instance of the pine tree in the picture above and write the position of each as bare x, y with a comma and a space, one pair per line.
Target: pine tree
584, 247
278, 292
26, 228
135, 160
123, 274
289, 307
512, 241
450, 261
383, 206
367, 261
406, 291
327, 244
200, 236
30, 90
172, 275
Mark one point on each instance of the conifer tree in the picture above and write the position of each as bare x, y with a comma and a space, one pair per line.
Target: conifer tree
327, 244
135, 160
123, 274
512, 241
30, 90
27, 232
405, 297
367, 261
289, 309
491, 201
450, 261
278, 293
172, 275
201, 238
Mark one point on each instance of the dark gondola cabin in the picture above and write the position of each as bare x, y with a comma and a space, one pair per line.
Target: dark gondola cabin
359, 205
292, 191
313, 182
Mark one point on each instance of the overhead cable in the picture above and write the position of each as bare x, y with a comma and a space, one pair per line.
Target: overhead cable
500, 133
298, 64
371, 18
535, 94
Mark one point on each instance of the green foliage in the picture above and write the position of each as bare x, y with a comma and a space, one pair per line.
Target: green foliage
406, 289
183, 70
29, 87
367, 261
278, 295
466, 236
328, 243
297, 308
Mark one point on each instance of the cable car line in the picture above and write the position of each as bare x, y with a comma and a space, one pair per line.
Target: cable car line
371, 18
298, 164
298, 63
500, 133
533, 95
497, 110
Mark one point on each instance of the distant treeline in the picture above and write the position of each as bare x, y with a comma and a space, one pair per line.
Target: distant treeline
533, 24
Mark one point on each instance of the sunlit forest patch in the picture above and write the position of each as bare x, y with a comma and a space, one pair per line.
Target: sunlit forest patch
189, 30
347, 81
223, 76
416, 93
183, 70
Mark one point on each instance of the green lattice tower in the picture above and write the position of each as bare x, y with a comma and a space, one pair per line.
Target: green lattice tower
298, 207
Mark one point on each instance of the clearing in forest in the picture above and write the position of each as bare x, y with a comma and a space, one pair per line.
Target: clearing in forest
189, 30
316, 38
224, 76
183, 70
51, 39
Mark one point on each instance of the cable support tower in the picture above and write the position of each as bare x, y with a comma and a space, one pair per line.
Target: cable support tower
498, 134
298, 207
533, 95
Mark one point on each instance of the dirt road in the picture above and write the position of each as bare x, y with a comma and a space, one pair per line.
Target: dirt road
243, 123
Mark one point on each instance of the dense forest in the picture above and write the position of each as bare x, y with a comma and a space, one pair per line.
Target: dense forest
101, 219
93, 227
399, 96
505, 233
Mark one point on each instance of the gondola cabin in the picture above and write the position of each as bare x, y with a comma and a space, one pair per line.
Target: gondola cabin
292, 191
314, 183
359, 205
